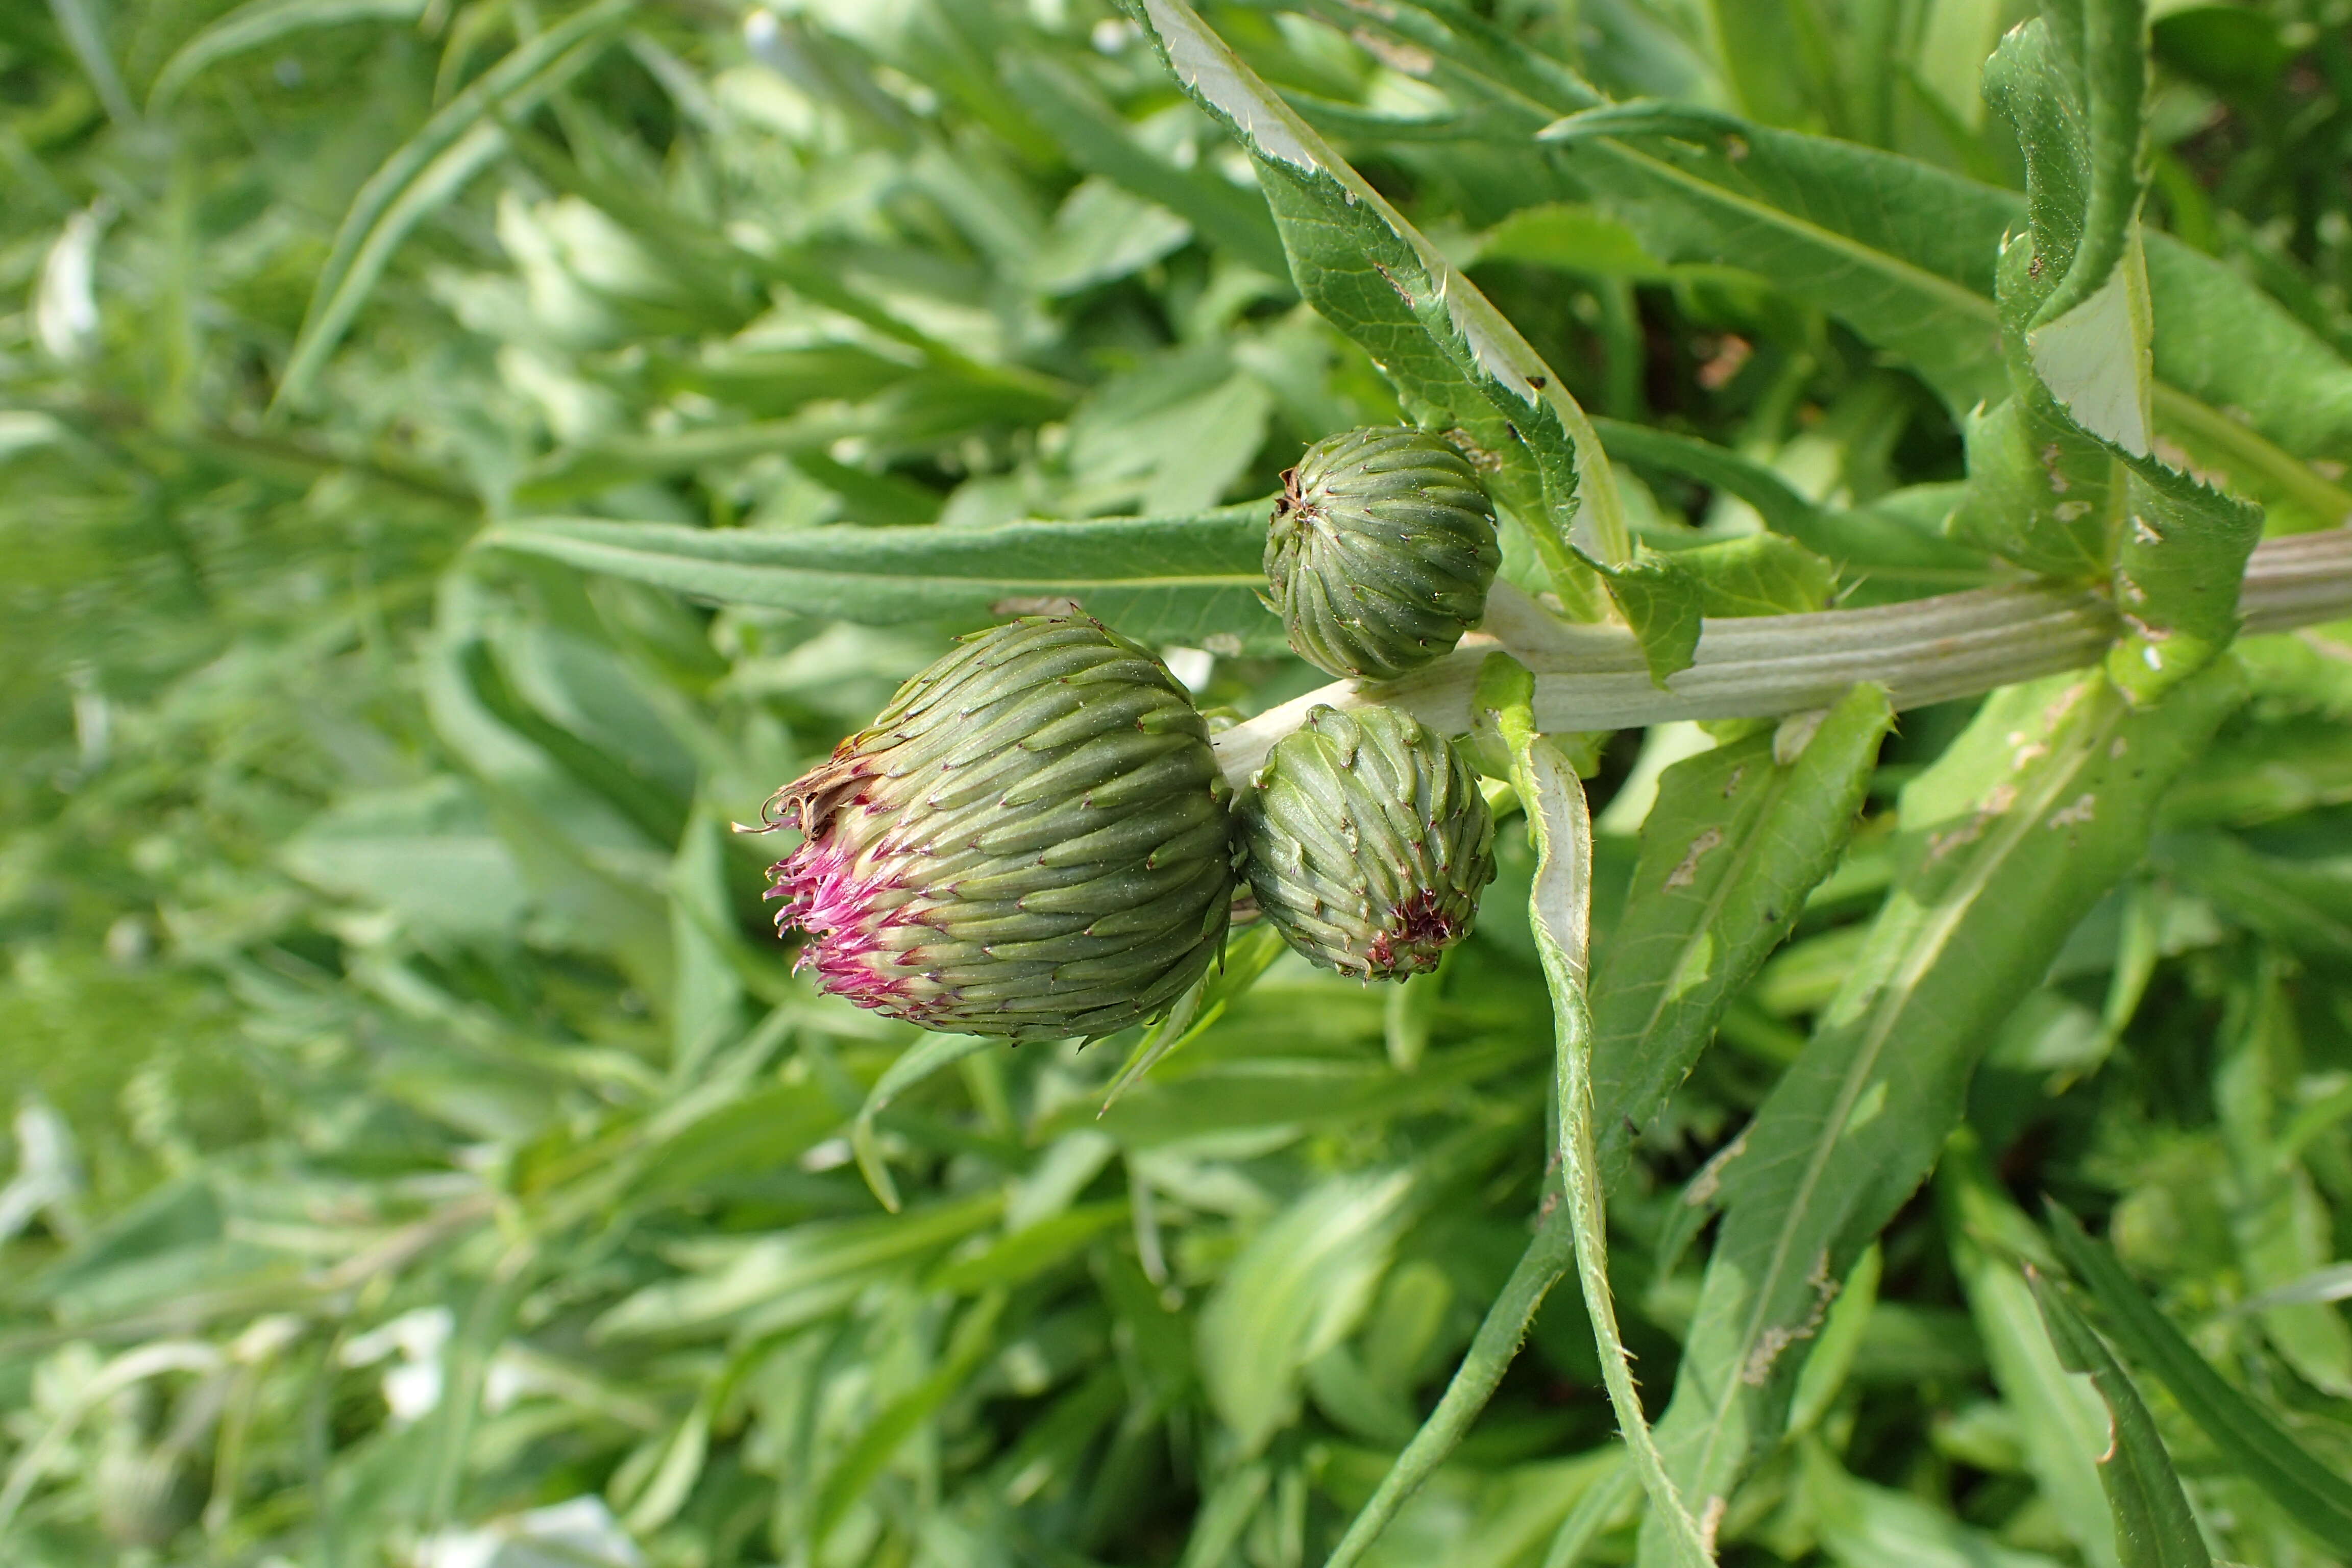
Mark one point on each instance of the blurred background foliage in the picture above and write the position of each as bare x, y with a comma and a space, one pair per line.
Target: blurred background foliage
421, 1147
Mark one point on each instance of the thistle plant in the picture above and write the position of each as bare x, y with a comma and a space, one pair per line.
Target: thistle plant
1030, 841
456, 457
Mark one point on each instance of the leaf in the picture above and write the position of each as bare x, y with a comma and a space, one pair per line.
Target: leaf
2183, 555
1459, 367
1191, 580
2062, 1427
1663, 594
2249, 1438
1559, 917
2041, 493
1733, 845
2154, 1527
2041, 803
927, 1055
259, 22
1660, 600
428, 170
1757, 575
2097, 359
807, 1272
1097, 140
1577, 237
1901, 251
1246, 957
1298, 1287
1868, 540
1866, 1526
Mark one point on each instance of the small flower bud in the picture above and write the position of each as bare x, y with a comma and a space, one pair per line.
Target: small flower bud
1381, 551
1368, 842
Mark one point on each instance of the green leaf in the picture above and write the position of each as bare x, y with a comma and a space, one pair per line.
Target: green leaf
1093, 137
1559, 916
2010, 837
259, 22
1866, 1526
1663, 595
1661, 600
1901, 251
1298, 1287
927, 1055
1736, 840
2061, 1426
2154, 1527
429, 170
1192, 580
2041, 493
1460, 367
2249, 1438
2183, 554
1757, 575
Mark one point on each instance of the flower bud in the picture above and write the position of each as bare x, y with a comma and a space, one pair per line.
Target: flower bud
1033, 840
1367, 841
1381, 551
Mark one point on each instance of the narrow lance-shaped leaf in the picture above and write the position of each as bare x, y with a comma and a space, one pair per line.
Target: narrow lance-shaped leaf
1460, 367
1192, 580
2249, 1438
2062, 1431
2154, 1527
429, 170
1559, 916
1736, 841
2041, 803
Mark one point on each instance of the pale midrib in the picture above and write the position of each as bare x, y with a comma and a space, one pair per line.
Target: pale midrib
1923, 956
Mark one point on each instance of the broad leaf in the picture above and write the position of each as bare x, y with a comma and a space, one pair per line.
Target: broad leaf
1459, 367
2010, 838
1736, 841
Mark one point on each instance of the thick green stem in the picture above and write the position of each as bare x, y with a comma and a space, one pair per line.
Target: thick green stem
1922, 650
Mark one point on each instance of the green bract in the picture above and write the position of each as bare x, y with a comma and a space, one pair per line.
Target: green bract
1032, 840
1381, 551
1367, 840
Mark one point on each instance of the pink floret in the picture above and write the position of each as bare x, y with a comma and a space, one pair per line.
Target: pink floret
845, 915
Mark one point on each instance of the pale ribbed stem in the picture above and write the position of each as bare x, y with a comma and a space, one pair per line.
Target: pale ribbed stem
1922, 651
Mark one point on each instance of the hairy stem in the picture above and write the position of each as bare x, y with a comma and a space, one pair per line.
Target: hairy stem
1922, 651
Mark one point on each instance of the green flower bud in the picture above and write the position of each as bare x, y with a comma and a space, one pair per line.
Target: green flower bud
1381, 551
1367, 841
1033, 840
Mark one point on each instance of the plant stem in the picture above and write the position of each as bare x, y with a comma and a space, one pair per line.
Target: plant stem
1922, 651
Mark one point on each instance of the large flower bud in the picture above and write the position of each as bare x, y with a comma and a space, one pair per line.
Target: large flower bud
1367, 841
1032, 840
1381, 551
